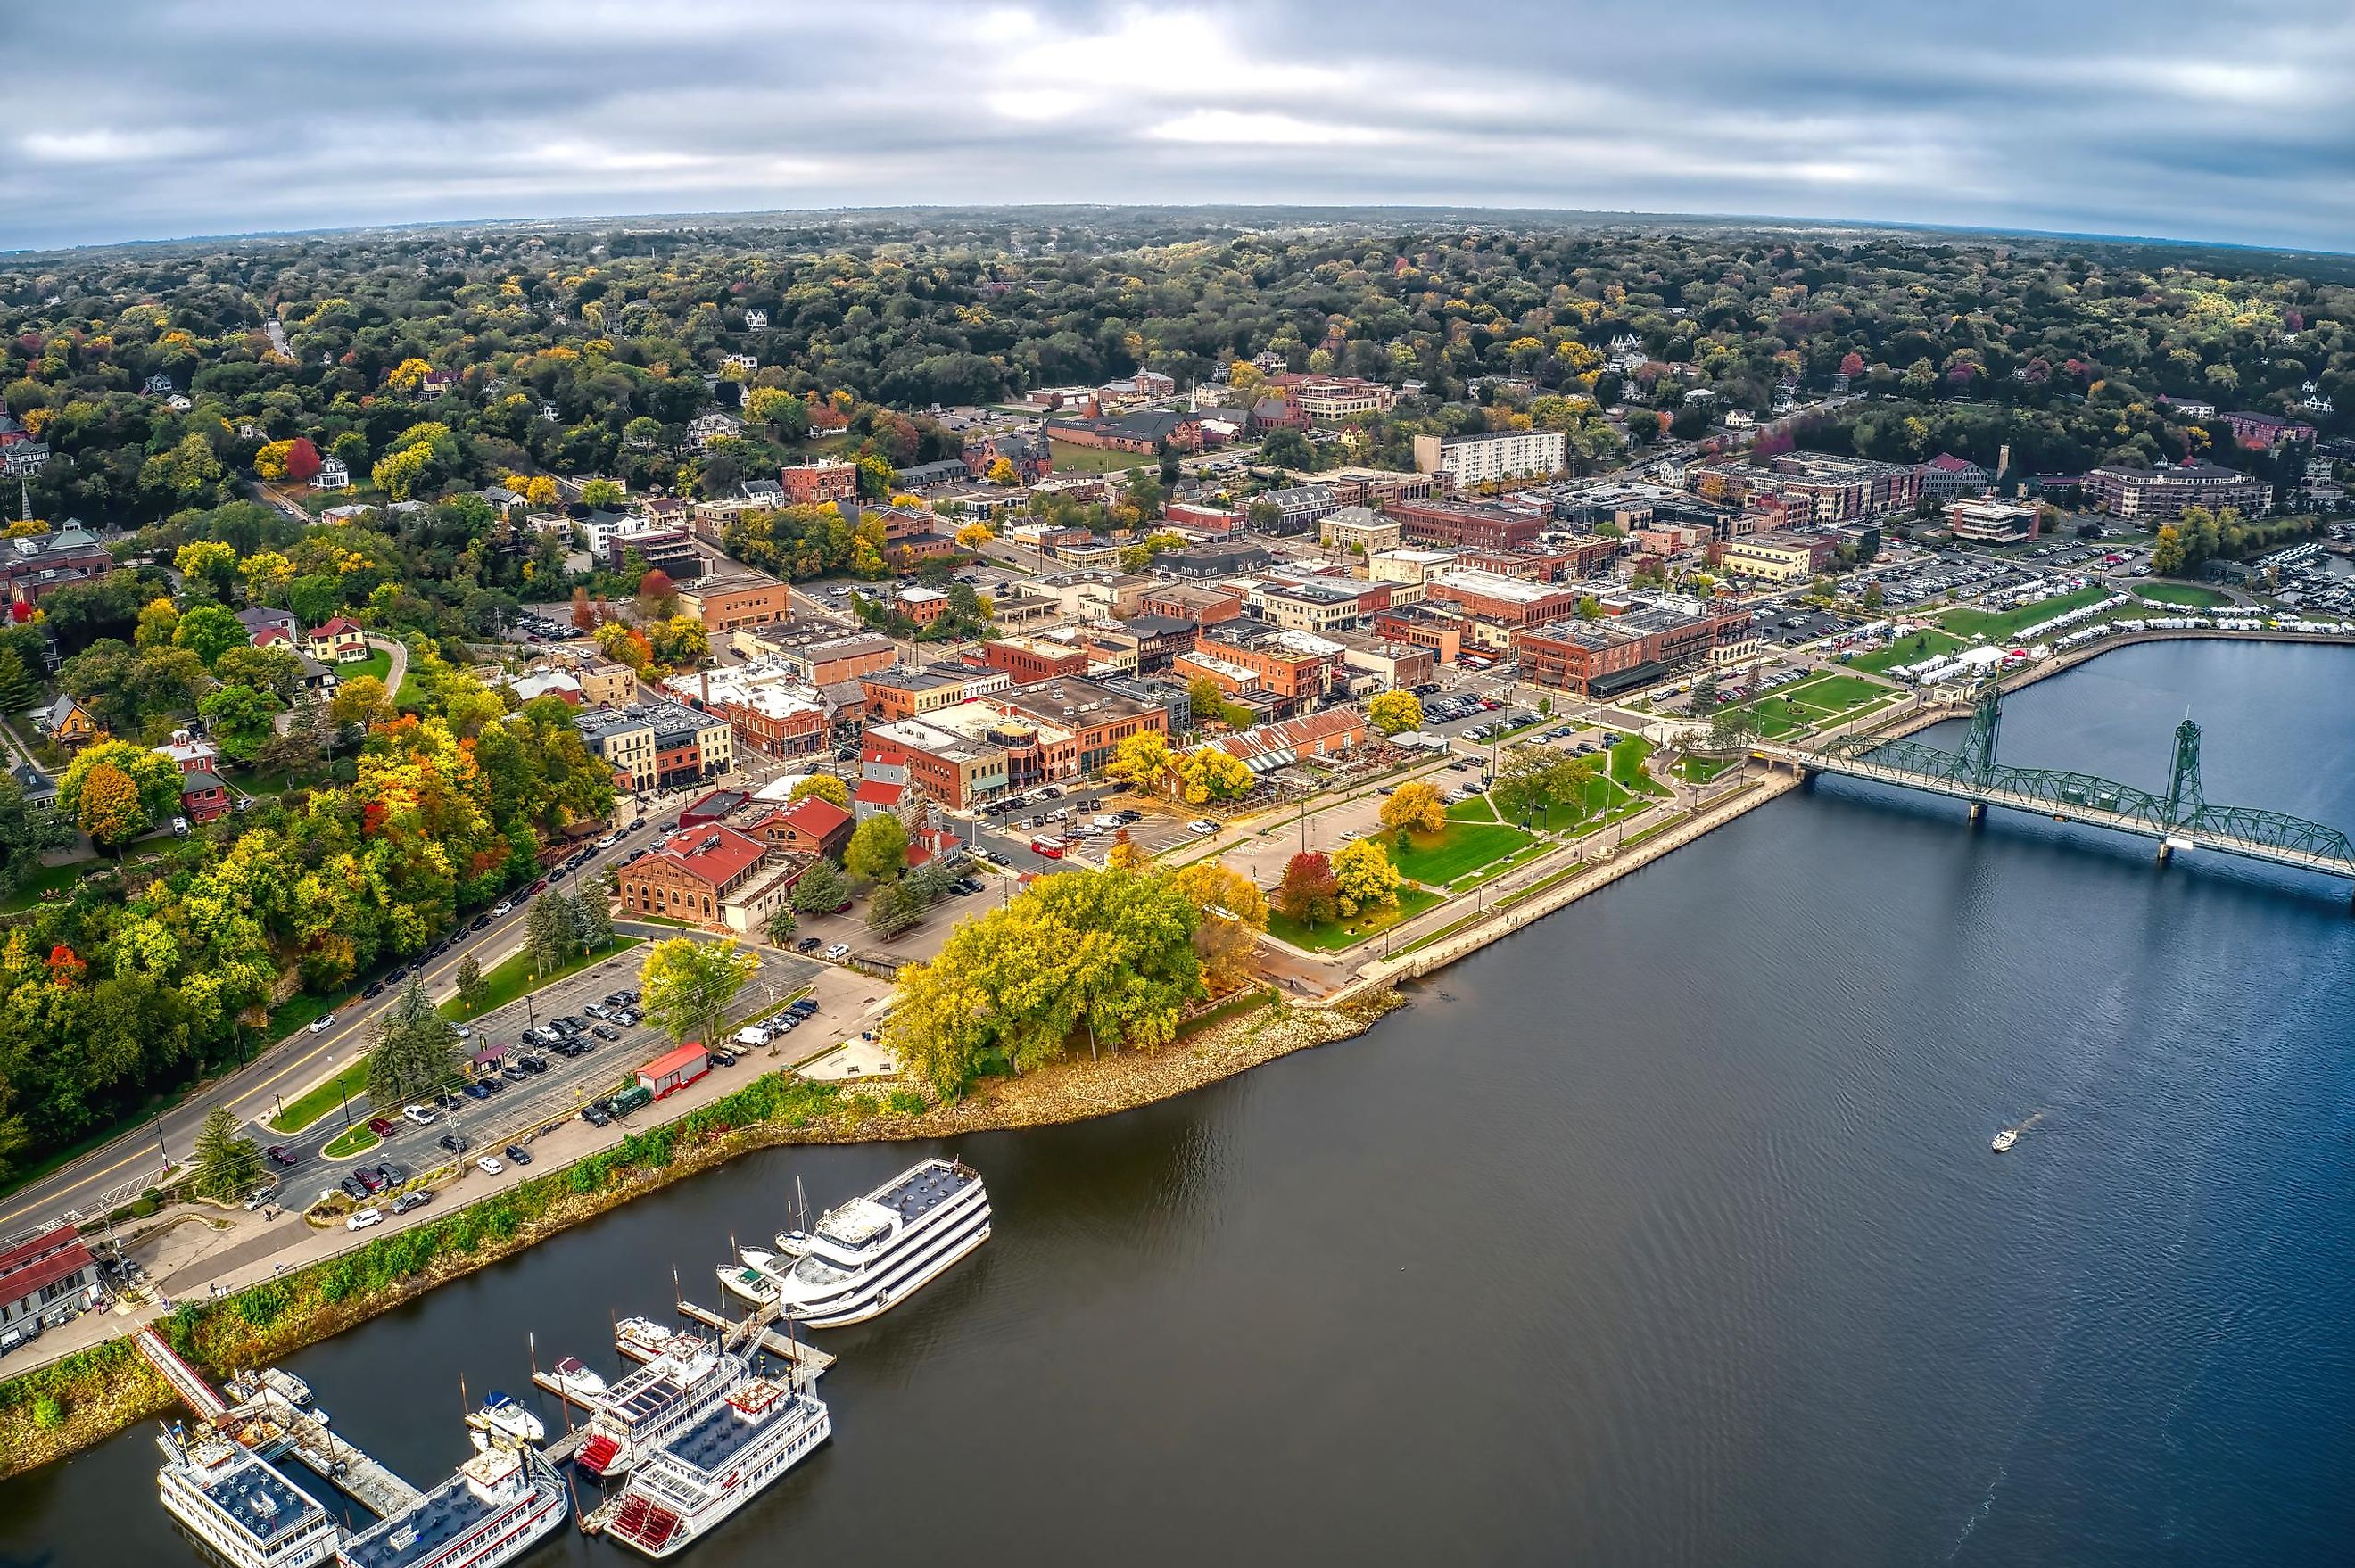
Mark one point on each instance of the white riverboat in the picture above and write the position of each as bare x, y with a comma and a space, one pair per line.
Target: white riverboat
643, 1409
644, 1339
503, 1421
715, 1466
238, 1507
498, 1506
875, 1252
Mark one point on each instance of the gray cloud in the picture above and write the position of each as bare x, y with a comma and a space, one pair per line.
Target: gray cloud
152, 118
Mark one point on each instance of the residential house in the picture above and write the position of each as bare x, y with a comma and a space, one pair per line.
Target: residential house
334, 475
203, 796
338, 641
69, 723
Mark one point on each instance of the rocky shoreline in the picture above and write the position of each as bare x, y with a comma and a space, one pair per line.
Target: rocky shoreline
57, 1411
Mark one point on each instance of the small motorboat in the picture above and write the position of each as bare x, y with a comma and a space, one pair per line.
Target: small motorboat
749, 1279
641, 1338
502, 1422
2005, 1138
578, 1379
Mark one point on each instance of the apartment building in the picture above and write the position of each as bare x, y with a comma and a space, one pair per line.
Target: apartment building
2161, 494
1619, 653
1780, 557
1321, 603
1454, 526
658, 745
1481, 456
1504, 601
1293, 668
1359, 529
814, 483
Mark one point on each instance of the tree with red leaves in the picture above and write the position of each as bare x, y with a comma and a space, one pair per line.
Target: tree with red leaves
1852, 364
302, 460
1309, 891
657, 593
584, 614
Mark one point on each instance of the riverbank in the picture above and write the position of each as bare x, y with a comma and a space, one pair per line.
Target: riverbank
58, 1410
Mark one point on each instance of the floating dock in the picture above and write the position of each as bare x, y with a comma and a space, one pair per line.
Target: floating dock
806, 1361
271, 1425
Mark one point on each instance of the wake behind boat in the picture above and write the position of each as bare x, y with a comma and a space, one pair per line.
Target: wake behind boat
873, 1253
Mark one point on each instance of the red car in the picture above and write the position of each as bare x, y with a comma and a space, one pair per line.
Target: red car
381, 1127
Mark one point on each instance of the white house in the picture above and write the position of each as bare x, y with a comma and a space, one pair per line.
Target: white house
333, 475
756, 321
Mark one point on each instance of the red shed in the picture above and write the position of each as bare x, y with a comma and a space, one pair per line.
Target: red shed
675, 1069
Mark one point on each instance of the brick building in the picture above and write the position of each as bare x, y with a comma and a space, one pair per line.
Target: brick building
1506, 601
1620, 652
727, 601
1458, 527
2162, 493
811, 484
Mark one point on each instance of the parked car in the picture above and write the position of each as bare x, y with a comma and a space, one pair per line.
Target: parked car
489, 1166
353, 1187
480, 923
382, 1127
504, 908
595, 1113
373, 988
535, 1066
808, 944
256, 1199
323, 1024
518, 1154
1202, 826
722, 1058
455, 1143
478, 1090
363, 1219
839, 951
373, 1180
603, 1033
419, 1115
407, 1200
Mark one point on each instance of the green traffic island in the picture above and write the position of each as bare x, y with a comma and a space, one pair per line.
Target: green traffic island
1343, 933
354, 1139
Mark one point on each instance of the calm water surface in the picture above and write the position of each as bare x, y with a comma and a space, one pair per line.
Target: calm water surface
1665, 1233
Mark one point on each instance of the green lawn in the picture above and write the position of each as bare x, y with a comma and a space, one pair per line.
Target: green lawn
1914, 649
1628, 758
1341, 934
378, 663
1700, 769
1820, 701
513, 978
2189, 595
1472, 808
352, 1142
48, 878
1096, 459
1999, 625
328, 1094
1436, 859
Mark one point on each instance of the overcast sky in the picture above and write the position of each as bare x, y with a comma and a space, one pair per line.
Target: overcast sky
2213, 120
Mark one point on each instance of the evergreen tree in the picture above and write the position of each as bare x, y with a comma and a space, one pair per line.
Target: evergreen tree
472, 986
547, 932
416, 1050
227, 1166
596, 920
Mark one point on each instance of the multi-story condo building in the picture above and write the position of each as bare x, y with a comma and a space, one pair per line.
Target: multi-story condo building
2161, 494
1480, 457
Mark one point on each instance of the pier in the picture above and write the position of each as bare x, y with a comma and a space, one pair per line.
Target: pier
271, 1425
806, 1361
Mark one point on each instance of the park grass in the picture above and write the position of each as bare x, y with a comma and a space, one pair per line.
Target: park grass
1435, 859
2186, 595
355, 1140
509, 980
47, 879
1701, 770
1473, 808
303, 1009
1628, 759
1916, 648
1364, 926
2000, 625
322, 1097
1817, 702
1096, 459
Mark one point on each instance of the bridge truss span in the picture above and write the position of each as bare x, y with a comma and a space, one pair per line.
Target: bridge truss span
2180, 819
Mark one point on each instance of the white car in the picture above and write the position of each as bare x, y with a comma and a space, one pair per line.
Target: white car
608, 841
363, 1219
499, 912
488, 1165
323, 1024
838, 951
1203, 825
1105, 821
419, 1115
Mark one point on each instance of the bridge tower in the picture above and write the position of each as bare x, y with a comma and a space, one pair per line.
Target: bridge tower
2185, 796
1978, 746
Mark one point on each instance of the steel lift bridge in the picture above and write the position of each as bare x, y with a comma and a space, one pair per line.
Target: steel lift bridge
2182, 819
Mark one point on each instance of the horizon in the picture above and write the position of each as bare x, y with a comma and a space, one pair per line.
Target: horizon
2177, 125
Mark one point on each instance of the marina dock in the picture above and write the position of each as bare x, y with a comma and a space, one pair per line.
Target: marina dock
808, 1363
271, 1425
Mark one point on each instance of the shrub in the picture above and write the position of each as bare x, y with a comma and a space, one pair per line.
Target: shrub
907, 1102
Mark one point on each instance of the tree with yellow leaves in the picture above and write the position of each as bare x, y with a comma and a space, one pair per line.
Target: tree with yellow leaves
1395, 713
1414, 807
972, 536
541, 491
1143, 763
270, 462
1002, 475
1125, 855
1367, 878
408, 376
1233, 911
1212, 773
265, 575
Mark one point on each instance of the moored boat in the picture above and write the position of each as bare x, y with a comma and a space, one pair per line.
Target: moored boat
504, 1419
644, 1408
499, 1505
710, 1469
239, 1507
873, 1253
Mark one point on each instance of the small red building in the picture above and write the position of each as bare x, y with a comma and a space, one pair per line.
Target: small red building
203, 796
675, 1069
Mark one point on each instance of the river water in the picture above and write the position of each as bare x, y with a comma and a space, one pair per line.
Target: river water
1664, 1233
